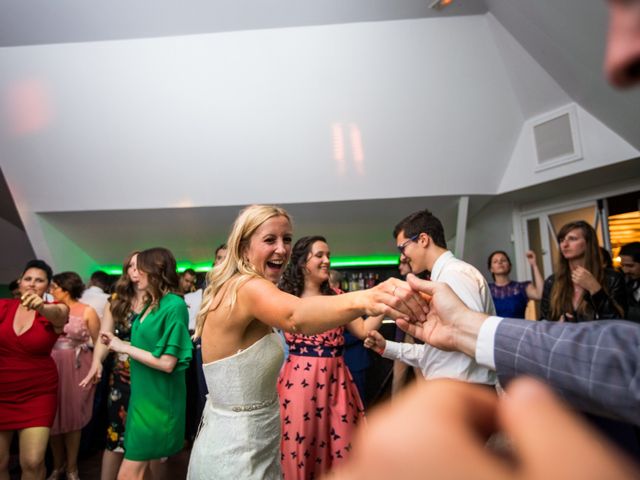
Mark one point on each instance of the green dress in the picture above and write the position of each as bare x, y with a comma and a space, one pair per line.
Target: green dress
156, 416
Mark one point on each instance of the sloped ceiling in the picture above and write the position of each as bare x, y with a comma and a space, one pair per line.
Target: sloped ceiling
566, 39
65, 21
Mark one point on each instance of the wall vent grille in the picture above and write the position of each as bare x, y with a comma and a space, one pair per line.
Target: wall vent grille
556, 138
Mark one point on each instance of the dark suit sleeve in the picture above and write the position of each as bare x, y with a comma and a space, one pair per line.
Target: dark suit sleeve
592, 365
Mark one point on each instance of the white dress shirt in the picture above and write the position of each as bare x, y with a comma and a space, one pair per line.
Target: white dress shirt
472, 288
193, 301
95, 297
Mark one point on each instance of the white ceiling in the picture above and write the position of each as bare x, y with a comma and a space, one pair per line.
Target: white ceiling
565, 38
39, 22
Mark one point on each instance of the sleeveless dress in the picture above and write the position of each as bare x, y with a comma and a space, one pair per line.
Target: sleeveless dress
239, 435
511, 299
319, 405
28, 375
119, 389
73, 356
156, 416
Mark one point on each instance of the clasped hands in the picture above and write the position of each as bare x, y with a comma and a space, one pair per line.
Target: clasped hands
431, 312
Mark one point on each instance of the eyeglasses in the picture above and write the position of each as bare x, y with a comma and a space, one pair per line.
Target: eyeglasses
406, 242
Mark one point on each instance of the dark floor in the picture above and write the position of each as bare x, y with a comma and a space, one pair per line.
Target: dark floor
89, 467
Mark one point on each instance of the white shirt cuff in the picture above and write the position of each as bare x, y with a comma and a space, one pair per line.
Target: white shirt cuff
486, 341
391, 350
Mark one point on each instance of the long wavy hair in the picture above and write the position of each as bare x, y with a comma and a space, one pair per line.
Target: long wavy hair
235, 269
561, 299
292, 280
124, 292
160, 266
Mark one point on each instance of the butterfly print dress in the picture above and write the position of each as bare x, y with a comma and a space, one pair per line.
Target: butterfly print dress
319, 405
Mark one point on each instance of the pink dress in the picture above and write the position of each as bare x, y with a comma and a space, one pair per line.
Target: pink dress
319, 405
73, 356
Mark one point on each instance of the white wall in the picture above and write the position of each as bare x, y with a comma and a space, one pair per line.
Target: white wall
489, 230
600, 147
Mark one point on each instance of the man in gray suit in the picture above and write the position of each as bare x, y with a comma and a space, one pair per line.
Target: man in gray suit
594, 366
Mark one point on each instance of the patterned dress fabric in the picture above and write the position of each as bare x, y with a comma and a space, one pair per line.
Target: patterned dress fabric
156, 416
511, 299
73, 357
319, 405
119, 390
28, 375
239, 437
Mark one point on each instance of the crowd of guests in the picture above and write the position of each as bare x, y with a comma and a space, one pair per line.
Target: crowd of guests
264, 421
294, 418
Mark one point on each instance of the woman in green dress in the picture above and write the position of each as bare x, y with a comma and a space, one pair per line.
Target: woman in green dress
159, 353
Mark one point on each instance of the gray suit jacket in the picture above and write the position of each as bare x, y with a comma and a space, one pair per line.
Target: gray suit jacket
594, 366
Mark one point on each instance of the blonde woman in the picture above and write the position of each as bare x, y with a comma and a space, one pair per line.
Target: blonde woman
240, 433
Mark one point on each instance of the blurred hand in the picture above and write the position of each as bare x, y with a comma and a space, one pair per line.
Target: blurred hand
375, 341
438, 429
113, 342
31, 301
531, 257
93, 377
583, 278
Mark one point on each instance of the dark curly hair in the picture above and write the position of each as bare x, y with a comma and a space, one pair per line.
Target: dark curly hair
70, 282
292, 280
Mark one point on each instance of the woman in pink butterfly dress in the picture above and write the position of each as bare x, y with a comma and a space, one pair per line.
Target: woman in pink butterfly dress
319, 401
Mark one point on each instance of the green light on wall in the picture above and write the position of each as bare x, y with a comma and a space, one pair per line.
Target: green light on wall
365, 261
336, 262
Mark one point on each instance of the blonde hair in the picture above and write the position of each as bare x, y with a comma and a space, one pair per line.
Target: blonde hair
235, 269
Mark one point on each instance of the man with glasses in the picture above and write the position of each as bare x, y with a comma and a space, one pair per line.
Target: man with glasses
422, 245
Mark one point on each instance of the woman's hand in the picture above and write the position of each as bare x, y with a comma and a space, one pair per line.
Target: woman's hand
531, 257
94, 375
113, 342
375, 341
32, 301
583, 278
394, 298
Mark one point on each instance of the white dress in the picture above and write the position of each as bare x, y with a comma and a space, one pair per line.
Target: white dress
239, 436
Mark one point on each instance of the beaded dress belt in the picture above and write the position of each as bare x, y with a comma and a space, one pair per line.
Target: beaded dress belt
308, 350
249, 407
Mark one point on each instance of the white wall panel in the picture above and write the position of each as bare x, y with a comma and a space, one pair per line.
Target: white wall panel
600, 147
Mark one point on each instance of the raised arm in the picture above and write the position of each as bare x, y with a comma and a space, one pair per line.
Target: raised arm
309, 315
56, 313
534, 289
